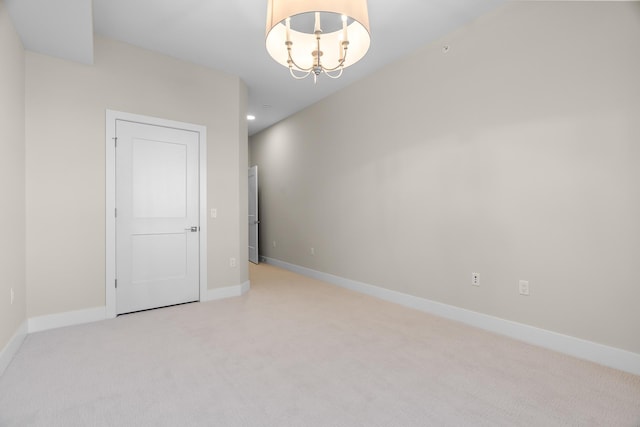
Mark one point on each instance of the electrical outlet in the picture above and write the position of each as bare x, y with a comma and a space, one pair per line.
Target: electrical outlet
312, 251
523, 286
214, 213
12, 295
475, 279
232, 262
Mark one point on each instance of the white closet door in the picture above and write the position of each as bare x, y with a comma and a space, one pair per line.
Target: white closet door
157, 223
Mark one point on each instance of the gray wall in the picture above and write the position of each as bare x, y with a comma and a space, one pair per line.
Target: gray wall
12, 169
514, 155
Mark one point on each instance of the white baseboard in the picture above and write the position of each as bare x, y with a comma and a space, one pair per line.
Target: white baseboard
69, 318
12, 347
577, 347
245, 287
78, 317
227, 292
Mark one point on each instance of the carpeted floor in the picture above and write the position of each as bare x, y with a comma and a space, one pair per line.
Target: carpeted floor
298, 352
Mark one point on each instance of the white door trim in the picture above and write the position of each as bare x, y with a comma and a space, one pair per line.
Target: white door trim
110, 221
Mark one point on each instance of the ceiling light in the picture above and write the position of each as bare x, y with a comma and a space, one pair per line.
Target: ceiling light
316, 37
251, 117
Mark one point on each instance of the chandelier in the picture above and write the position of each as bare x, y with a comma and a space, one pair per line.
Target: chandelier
313, 37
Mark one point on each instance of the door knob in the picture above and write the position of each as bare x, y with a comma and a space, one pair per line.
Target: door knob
193, 229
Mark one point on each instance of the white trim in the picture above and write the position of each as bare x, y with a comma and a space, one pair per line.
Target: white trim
227, 292
79, 317
110, 221
12, 347
245, 287
577, 347
110, 229
68, 318
204, 284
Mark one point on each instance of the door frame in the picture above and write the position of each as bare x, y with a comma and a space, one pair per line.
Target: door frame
110, 205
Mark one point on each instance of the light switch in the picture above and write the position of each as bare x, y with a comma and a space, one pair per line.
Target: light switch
214, 213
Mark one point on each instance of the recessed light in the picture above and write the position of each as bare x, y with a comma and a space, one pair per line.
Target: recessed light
251, 117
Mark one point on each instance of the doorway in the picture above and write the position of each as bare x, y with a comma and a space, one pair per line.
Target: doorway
254, 221
156, 230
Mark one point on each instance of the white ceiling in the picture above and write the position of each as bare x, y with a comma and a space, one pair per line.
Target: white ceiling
229, 36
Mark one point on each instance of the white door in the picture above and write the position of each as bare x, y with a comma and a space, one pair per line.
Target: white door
253, 214
157, 221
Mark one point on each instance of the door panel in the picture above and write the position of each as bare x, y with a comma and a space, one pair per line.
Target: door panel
148, 253
157, 253
159, 181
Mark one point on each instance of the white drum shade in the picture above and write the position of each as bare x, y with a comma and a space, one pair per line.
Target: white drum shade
303, 44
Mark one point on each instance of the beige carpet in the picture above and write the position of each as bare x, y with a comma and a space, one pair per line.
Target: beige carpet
297, 352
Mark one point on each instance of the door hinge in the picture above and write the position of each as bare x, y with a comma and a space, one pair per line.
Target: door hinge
115, 212
116, 283
115, 141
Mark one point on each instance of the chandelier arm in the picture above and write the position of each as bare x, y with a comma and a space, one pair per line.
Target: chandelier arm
341, 62
328, 74
292, 62
340, 65
299, 77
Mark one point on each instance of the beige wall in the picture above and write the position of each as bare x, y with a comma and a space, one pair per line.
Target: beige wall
12, 169
243, 190
65, 157
514, 155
